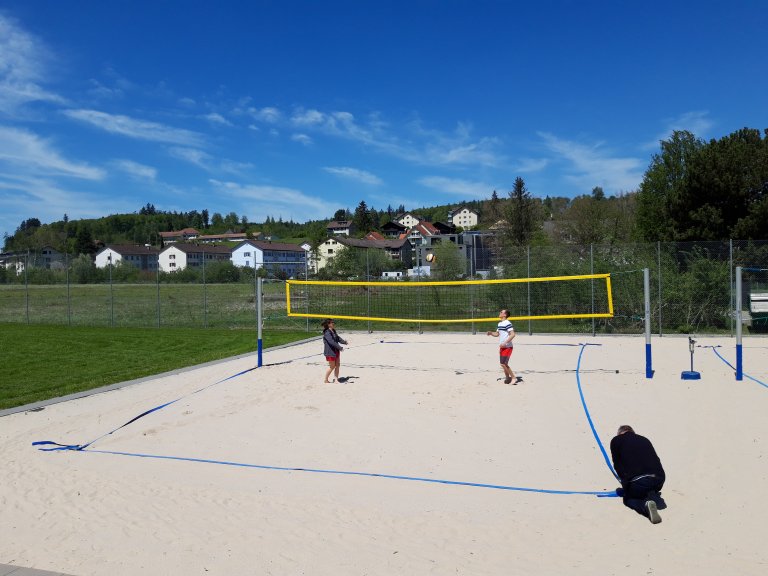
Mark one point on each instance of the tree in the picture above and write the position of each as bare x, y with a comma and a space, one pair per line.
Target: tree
206, 220
84, 241
362, 218
449, 263
664, 185
340, 215
521, 215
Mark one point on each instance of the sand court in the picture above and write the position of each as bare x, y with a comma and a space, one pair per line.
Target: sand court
422, 462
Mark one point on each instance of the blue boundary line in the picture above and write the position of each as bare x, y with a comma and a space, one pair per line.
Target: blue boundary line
84, 447
586, 411
731, 365
601, 493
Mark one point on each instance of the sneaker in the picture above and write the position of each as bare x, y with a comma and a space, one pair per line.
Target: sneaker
518, 380
653, 513
507, 380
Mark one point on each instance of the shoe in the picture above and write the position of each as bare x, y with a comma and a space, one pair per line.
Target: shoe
620, 492
518, 380
653, 513
507, 380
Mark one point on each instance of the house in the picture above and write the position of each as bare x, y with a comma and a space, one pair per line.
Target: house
142, 257
228, 237
399, 249
444, 228
184, 235
289, 259
178, 256
408, 220
326, 251
340, 228
393, 229
417, 234
463, 217
51, 259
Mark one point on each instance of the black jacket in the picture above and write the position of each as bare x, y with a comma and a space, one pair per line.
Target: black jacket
633, 455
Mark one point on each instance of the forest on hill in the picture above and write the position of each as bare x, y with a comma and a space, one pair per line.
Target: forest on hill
692, 190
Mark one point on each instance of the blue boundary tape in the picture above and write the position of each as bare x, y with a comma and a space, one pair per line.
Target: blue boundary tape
54, 446
714, 349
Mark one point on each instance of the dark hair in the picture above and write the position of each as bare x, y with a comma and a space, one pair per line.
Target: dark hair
506, 312
625, 428
325, 323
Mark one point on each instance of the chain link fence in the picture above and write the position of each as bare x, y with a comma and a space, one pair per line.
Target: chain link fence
692, 289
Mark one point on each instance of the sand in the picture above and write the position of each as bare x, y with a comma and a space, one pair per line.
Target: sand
419, 407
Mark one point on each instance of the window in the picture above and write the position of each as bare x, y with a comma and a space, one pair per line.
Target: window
247, 254
172, 256
330, 250
173, 265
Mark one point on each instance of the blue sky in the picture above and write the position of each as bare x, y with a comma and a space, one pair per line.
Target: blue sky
294, 109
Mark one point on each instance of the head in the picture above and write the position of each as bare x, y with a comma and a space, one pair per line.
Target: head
504, 314
623, 429
328, 323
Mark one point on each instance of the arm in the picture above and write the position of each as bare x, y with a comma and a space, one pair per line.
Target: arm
330, 341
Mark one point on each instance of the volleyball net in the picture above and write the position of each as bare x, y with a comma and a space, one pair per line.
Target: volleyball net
558, 297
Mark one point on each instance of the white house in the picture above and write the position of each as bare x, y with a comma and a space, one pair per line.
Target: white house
340, 228
463, 217
142, 257
179, 256
326, 251
408, 220
289, 259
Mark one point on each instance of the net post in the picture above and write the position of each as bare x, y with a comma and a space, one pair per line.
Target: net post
647, 294
259, 315
739, 358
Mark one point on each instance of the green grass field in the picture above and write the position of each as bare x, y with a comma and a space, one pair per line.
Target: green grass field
42, 361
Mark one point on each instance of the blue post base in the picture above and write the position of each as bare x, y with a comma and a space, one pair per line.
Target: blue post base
648, 362
690, 375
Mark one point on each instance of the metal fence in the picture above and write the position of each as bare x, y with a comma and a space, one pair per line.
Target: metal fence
692, 289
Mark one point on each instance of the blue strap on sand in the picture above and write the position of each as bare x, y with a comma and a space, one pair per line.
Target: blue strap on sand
58, 446
714, 349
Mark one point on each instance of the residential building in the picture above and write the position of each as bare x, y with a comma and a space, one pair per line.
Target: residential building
408, 220
399, 250
393, 229
178, 256
142, 257
418, 233
51, 258
340, 228
463, 217
184, 235
289, 259
228, 237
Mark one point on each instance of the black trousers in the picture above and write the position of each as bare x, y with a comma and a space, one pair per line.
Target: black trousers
638, 492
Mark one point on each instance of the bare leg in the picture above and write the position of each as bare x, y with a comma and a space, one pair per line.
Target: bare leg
336, 372
331, 367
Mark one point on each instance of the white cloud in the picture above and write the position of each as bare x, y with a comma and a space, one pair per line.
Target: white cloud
36, 156
24, 67
695, 122
269, 115
216, 118
354, 174
458, 187
528, 165
133, 128
136, 170
260, 201
302, 139
192, 155
593, 166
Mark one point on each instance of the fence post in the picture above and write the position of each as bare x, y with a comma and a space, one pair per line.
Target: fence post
157, 281
730, 277
69, 294
530, 326
592, 282
26, 284
658, 255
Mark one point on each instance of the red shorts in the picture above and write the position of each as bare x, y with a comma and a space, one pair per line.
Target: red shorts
334, 358
504, 355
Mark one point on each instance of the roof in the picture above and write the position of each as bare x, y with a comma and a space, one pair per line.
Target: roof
186, 248
228, 235
184, 232
130, 249
381, 244
266, 245
339, 224
425, 229
373, 235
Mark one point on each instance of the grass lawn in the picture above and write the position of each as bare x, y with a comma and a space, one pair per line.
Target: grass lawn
41, 362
